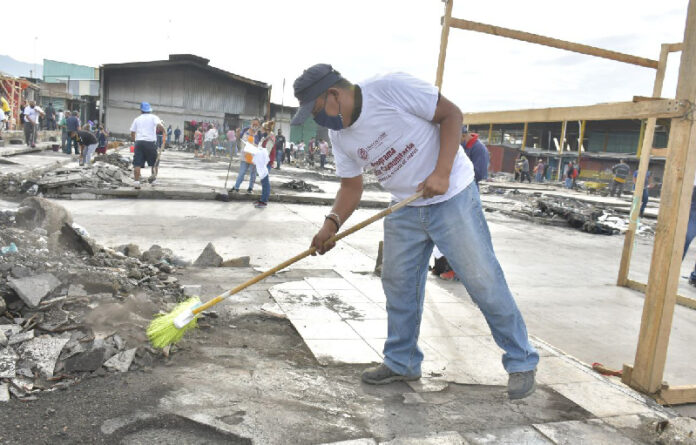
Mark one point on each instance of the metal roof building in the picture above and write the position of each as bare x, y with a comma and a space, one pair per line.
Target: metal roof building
182, 89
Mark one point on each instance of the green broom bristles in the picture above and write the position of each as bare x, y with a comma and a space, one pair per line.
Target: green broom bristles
162, 331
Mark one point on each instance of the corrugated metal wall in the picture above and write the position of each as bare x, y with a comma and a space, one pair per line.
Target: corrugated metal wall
177, 94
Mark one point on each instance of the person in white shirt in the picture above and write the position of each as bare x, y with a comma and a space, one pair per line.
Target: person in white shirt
31, 122
144, 133
403, 130
210, 139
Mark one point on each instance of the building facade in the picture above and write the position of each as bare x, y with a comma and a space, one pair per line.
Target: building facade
183, 91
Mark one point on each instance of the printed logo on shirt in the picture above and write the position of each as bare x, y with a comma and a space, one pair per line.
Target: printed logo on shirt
362, 153
392, 161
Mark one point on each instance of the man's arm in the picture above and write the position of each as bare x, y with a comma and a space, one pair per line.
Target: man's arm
347, 200
449, 117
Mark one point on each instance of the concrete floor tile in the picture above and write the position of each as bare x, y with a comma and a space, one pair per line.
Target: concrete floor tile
369, 328
633, 421
436, 369
428, 384
294, 285
573, 432
342, 351
442, 438
293, 296
468, 358
329, 284
601, 398
553, 370
347, 295
361, 311
522, 435
454, 309
436, 294
317, 313
377, 344
432, 328
325, 330
366, 441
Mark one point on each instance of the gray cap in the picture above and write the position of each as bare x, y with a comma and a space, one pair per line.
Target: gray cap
309, 86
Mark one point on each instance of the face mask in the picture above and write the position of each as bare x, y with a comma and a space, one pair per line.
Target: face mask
330, 122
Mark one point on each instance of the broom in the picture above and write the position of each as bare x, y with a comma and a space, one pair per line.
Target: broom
167, 329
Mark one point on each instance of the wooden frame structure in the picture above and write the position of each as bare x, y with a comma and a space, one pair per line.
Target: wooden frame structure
11, 88
661, 290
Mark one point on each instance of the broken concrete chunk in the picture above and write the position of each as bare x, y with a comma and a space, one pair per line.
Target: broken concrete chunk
39, 212
42, 353
19, 338
33, 289
3, 339
155, 254
8, 362
208, 258
76, 290
191, 290
242, 261
87, 361
73, 237
4, 392
121, 361
3, 305
10, 329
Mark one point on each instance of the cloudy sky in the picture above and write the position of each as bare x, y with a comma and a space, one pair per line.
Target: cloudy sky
273, 40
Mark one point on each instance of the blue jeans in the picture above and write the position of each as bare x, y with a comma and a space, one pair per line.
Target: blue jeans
460, 231
691, 227
539, 177
266, 185
243, 167
568, 183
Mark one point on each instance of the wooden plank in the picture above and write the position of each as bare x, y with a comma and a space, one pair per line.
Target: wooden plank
660, 296
581, 136
677, 395
444, 38
659, 152
490, 133
554, 43
674, 47
681, 299
607, 111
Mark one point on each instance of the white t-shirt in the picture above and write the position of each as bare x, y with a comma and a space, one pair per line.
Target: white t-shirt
211, 134
145, 127
395, 137
31, 114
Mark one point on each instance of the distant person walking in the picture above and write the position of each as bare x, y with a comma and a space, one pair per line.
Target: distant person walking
177, 135
323, 147
621, 172
539, 171
571, 173
197, 141
169, 133
211, 137
50, 117
102, 143
280, 149
267, 144
144, 133
72, 124
232, 141
524, 169
248, 136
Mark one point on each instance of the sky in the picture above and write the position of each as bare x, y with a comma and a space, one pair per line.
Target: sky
275, 40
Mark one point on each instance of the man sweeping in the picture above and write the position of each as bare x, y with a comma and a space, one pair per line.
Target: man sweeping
408, 134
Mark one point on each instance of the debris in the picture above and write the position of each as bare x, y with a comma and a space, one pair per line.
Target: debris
300, 185
42, 353
33, 289
3, 339
378, 263
73, 238
87, 361
39, 212
19, 338
208, 258
4, 392
8, 361
273, 309
191, 290
12, 248
242, 261
3, 305
156, 254
600, 368
121, 361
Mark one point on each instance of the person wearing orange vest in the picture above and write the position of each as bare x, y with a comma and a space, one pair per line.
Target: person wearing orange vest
248, 136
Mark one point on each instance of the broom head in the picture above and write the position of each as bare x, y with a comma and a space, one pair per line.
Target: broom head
163, 329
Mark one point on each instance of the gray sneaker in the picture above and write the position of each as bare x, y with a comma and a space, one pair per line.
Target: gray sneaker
521, 384
380, 375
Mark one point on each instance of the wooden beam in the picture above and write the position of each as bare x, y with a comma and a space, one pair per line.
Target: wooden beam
677, 395
581, 136
660, 296
640, 287
561, 144
524, 134
490, 133
675, 47
554, 43
607, 111
659, 152
444, 38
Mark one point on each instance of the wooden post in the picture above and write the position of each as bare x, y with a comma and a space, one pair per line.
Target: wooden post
490, 133
560, 144
444, 37
658, 309
524, 135
641, 138
645, 151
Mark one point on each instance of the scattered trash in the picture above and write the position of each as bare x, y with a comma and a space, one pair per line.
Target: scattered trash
300, 185
12, 248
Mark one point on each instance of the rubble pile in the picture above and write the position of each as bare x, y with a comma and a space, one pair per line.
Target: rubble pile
564, 211
116, 159
70, 308
103, 174
302, 186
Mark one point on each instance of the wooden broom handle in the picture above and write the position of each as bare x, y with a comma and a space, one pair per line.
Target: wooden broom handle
307, 252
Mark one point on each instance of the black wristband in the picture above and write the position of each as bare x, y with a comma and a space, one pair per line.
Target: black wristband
333, 221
